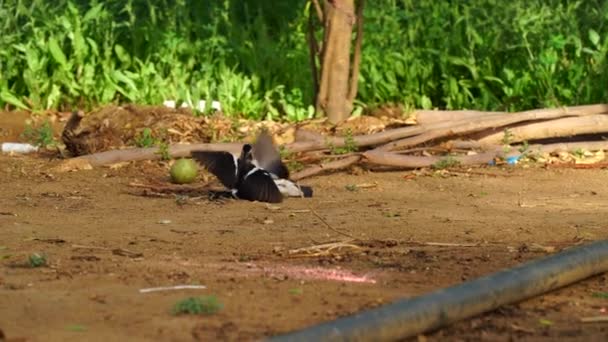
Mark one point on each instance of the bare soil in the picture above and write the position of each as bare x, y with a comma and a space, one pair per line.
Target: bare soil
104, 241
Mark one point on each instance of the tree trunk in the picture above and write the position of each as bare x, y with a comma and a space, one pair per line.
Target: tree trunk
337, 86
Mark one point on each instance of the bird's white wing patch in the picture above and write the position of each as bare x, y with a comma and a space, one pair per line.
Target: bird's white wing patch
236, 166
252, 171
288, 188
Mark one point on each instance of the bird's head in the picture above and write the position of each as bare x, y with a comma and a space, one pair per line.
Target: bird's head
246, 153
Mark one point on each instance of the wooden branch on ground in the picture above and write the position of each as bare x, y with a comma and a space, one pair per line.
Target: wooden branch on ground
334, 165
495, 121
551, 129
435, 130
153, 153
431, 117
412, 162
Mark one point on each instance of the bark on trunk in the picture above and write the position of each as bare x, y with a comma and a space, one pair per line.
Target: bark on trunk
334, 97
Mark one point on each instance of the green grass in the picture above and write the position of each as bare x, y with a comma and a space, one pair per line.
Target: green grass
37, 260
205, 305
252, 55
445, 163
603, 295
41, 135
350, 145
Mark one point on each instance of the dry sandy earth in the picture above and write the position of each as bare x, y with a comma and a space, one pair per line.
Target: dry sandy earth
104, 242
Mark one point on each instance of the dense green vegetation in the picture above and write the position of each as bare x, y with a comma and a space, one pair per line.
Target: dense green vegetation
252, 54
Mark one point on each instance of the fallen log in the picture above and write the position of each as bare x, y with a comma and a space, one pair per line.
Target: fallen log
431, 117
413, 162
152, 153
565, 127
462, 128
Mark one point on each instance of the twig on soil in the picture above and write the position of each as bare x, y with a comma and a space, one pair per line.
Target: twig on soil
444, 244
594, 319
127, 253
171, 288
477, 173
328, 225
321, 249
578, 166
90, 247
116, 251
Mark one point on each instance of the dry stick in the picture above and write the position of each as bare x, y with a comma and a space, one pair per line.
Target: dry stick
90, 247
495, 121
328, 225
594, 319
445, 244
334, 165
394, 159
171, 288
552, 129
321, 249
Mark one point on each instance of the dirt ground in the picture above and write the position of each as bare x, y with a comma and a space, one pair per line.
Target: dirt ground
104, 242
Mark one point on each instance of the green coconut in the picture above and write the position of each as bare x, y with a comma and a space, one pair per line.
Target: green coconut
184, 171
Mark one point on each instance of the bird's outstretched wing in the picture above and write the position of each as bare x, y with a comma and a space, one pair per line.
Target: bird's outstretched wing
259, 186
267, 156
223, 165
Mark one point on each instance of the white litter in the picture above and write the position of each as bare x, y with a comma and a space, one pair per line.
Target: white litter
201, 105
171, 288
18, 148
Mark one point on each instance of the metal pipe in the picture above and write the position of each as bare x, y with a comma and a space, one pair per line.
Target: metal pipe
409, 317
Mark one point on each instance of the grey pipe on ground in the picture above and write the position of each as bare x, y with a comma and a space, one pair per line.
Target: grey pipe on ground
410, 317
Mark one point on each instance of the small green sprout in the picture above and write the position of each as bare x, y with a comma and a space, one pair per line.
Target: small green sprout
37, 260
205, 305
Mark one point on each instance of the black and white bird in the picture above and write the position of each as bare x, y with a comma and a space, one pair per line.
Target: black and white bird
258, 174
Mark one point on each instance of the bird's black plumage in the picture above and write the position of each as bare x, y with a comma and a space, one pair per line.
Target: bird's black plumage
258, 174
222, 164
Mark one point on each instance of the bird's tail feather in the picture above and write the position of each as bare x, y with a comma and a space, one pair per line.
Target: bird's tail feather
306, 190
